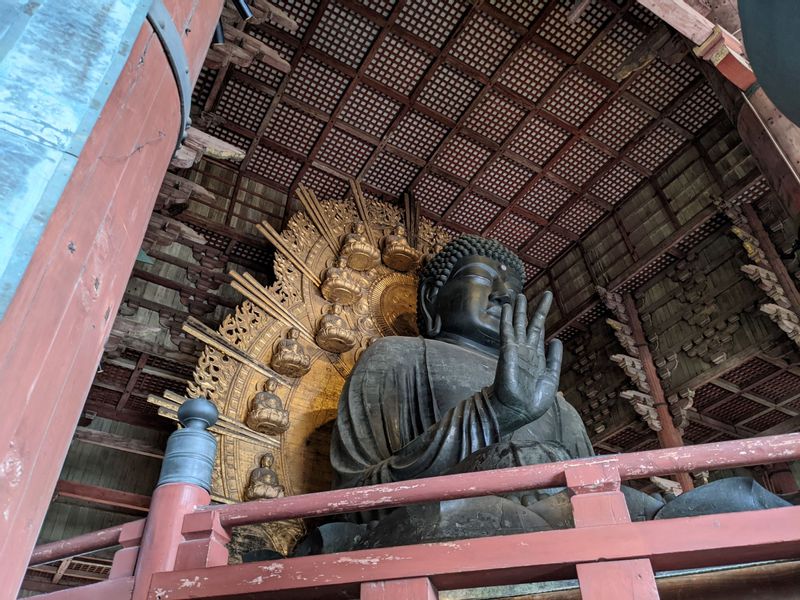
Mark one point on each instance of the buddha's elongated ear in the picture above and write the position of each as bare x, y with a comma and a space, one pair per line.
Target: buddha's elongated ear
430, 321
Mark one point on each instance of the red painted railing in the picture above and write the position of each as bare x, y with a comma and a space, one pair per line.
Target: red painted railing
613, 557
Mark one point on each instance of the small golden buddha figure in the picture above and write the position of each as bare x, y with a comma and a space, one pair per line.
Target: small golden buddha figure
290, 357
397, 253
263, 483
360, 254
267, 414
339, 284
333, 333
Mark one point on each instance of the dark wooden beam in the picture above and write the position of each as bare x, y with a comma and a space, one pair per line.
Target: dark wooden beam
125, 502
668, 436
117, 442
132, 380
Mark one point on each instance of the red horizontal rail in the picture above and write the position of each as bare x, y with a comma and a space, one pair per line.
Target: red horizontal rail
721, 455
739, 453
502, 560
82, 544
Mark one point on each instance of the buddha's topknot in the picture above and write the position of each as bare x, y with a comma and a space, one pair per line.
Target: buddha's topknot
437, 270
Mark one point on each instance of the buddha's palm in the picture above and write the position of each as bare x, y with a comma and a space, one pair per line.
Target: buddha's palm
526, 380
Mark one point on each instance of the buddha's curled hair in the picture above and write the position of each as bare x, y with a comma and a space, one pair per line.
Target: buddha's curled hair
437, 270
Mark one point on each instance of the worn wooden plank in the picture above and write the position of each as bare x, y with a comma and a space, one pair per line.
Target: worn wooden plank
117, 442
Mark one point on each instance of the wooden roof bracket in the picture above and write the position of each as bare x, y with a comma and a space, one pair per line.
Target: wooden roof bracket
714, 44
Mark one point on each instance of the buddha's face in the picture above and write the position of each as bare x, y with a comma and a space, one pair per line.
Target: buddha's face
293, 334
471, 300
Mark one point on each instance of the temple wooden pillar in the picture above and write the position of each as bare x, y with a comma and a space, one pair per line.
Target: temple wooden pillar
668, 435
62, 310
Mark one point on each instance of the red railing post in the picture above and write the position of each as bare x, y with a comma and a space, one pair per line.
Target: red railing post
130, 537
418, 588
204, 542
597, 500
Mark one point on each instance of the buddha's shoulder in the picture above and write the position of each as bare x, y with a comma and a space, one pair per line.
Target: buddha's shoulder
396, 343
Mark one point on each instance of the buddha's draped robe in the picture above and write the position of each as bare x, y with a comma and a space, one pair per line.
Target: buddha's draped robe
414, 407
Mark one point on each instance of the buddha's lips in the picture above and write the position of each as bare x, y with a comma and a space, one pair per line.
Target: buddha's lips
495, 311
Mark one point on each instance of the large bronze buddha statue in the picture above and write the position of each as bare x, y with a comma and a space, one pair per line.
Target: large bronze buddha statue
478, 391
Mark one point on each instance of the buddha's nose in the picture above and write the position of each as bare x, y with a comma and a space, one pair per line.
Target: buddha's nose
502, 294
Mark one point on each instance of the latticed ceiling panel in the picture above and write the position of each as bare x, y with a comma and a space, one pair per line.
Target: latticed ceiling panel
576, 98
619, 123
449, 92
780, 388
545, 198
614, 48
513, 230
504, 177
539, 140
522, 12
753, 371
495, 117
293, 128
436, 193
503, 118
275, 166
433, 23
474, 212
462, 157
390, 172
344, 35
346, 151
531, 72
242, 105
483, 43
547, 247
418, 134
579, 217
369, 111
316, 84
659, 84
580, 163
399, 64
616, 183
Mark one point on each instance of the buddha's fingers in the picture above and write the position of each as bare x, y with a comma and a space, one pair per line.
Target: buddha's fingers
520, 317
536, 326
506, 327
555, 352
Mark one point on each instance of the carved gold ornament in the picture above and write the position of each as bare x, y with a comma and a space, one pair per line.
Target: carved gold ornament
344, 276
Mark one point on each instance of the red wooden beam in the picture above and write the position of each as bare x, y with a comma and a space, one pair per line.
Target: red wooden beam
670, 544
720, 455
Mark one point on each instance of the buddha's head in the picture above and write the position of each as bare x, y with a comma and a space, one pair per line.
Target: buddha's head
266, 460
335, 309
358, 227
293, 334
400, 230
462, 291
340, 262
270, 384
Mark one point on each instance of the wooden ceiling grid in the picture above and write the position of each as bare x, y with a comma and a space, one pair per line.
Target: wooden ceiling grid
502, 117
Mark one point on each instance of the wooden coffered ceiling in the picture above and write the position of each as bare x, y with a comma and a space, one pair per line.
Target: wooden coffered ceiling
503, 118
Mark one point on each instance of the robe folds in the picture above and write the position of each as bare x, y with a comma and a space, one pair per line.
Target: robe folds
414, 407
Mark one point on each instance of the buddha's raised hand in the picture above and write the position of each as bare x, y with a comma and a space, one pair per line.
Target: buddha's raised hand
526, 380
